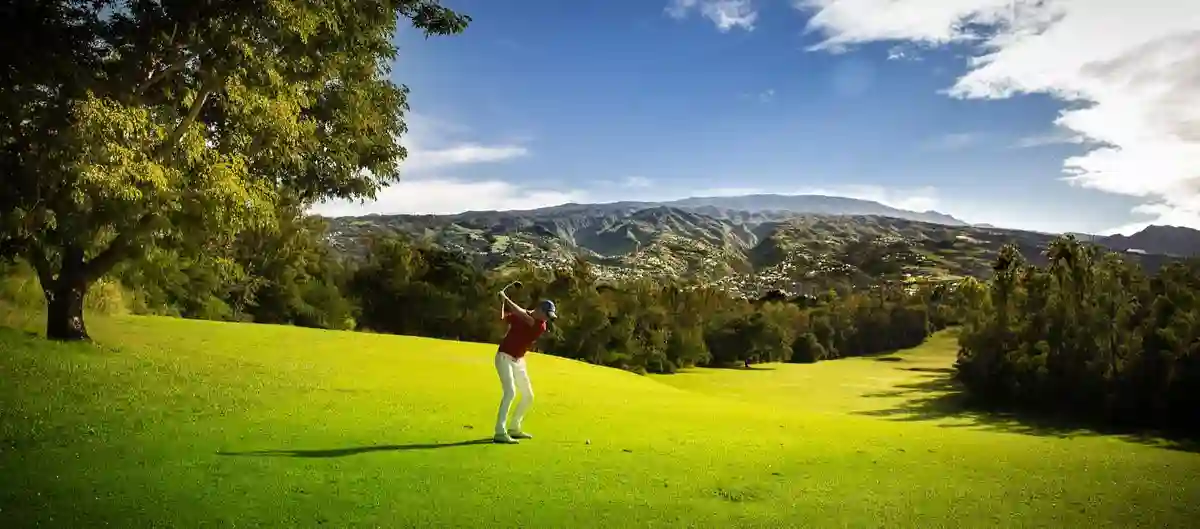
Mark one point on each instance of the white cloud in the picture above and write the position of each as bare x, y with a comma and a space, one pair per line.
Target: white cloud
727, 192
435, 149
434, 196
1132, 76
1161, 214
848, 22
765, 96
437, 196
902, 52
463, 154
434, 145
1059, 137
637, 182
726, 14
627, 183
919, 199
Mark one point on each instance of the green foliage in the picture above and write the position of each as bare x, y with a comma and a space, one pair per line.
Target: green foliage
19, 288
408, 287
107, 296
284, 274
418, 290
129, 124
184, 282
1087, 335
22, 303
752, 337
752, 253
288, 274
807, 349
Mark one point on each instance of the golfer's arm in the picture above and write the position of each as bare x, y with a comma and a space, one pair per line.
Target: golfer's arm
516, 309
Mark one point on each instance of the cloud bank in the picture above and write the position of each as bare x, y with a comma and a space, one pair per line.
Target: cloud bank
435, 150
725, 14
1130, 74
918, 199
440, 196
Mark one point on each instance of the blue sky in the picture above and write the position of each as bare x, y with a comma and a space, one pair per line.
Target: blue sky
542, 102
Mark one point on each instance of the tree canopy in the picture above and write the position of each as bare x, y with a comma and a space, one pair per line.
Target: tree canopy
1089, 335
139, 123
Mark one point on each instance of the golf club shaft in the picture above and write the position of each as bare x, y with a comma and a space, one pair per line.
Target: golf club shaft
505, 289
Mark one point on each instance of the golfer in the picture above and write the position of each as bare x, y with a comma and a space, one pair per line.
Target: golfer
524, 328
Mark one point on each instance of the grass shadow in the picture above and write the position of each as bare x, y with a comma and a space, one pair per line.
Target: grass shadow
884, 355
943, 370
938, 397
355, 450
743, 367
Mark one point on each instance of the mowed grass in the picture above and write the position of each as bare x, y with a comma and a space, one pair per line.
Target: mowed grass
174, 423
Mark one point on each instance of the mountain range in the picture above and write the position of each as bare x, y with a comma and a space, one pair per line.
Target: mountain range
749, 244
1166, 240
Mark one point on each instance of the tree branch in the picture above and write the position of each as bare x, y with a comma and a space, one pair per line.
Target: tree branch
158, 77
210, 84
118, 249
37, 258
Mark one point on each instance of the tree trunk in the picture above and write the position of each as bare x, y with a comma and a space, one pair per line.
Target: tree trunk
64, 314
64, 299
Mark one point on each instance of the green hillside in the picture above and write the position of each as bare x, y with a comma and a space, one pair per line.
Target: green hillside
748, 253
189, 423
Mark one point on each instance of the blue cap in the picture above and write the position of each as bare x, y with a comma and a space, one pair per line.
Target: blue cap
547, 307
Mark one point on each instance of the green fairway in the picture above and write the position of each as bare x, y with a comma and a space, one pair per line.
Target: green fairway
175, 423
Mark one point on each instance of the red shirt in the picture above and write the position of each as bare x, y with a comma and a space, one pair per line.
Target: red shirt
520, 335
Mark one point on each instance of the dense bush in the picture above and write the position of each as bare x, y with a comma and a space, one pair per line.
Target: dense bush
641, 326
286, 275
409, 289
1088, 335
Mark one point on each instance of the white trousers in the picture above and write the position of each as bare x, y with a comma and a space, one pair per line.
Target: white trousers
513, 378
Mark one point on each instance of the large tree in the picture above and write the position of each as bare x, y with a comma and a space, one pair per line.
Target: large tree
129, 123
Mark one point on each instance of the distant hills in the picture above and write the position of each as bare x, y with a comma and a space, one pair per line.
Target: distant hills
748, 244
772, 206
813, 205
1166, 240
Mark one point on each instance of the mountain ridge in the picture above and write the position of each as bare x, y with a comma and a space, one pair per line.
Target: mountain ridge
750, 251
755, 204
1159, 239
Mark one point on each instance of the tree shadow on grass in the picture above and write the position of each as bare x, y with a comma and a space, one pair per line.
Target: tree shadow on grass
743, 367
942, 370
938, 397
355, 450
